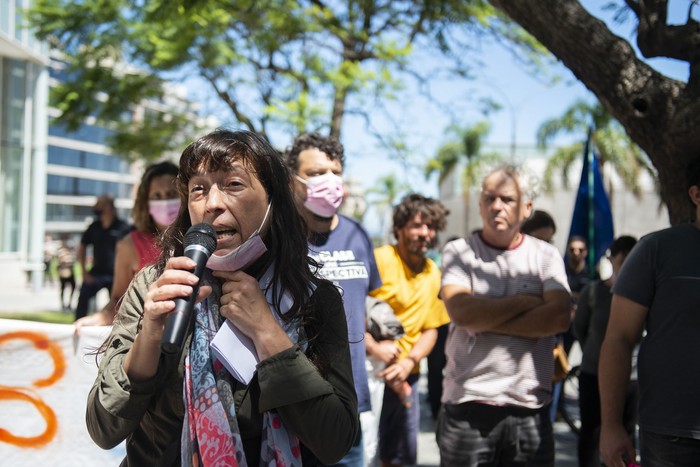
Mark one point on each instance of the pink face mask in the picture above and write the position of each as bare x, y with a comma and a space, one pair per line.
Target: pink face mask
324, 193
164, 212
243, 255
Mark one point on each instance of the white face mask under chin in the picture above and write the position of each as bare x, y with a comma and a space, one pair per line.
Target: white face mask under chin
243, 255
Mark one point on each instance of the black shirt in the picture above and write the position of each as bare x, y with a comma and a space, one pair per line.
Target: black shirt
104, 243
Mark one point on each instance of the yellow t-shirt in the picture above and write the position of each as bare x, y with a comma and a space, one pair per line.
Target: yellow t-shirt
412, 296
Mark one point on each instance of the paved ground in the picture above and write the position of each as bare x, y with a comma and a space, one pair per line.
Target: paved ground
15, 297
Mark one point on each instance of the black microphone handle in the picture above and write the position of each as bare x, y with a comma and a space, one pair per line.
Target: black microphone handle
178, 321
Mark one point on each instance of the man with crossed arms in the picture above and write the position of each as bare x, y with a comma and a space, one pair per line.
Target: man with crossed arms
507, 296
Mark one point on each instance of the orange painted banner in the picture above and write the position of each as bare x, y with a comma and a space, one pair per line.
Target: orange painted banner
41, 342
46, 373
46, 412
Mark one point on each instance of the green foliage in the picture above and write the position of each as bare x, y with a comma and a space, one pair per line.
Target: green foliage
292, 64
465, 144
153, 135
382, 196
54, 317
608, 138
387, 190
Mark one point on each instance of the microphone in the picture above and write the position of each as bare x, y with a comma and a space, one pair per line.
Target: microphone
199, 243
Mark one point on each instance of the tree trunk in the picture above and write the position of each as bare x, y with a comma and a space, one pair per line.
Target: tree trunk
660, 114
338, 111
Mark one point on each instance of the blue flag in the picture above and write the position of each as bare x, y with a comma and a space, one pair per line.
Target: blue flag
592, 217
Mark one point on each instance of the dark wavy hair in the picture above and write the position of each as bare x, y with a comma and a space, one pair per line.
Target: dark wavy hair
538, 220
434, 212
622, 244
142, 218
286, 238
326, 144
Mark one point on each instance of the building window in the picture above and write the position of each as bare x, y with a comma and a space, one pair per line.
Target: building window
65, 157
86, 133
67, 213
73, 186
5, 16
11, 153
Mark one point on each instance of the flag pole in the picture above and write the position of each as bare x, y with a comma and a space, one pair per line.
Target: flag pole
591, 204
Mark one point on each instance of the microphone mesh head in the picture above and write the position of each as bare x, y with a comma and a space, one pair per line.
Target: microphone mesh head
201, 234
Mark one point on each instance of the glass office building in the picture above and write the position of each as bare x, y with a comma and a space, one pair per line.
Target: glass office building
50, 177
80, 168
23, 147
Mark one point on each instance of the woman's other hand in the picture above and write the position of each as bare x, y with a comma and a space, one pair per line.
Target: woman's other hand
245, 305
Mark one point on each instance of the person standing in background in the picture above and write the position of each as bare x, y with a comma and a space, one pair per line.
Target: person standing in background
540, 225
156, 205
590, 323
658, 290
103, 234
411, 285
340, 246
577, 272
66, 275
507, 297
50, 250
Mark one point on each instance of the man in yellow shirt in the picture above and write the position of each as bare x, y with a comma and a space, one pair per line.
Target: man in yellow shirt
411, 284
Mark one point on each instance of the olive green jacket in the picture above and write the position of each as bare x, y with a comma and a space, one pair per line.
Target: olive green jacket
320, 407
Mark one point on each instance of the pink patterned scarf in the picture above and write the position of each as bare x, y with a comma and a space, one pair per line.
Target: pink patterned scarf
210, 433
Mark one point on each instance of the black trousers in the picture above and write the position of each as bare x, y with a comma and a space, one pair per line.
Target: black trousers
436, 363
589, 407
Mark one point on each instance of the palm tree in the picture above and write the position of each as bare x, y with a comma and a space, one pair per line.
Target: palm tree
466, 144
382, 197
608, 138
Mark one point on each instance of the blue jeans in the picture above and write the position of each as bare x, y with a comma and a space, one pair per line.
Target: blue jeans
398, 426
356, 455
554, 406
473, 434
668, 451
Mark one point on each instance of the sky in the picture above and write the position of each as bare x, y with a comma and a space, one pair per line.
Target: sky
526, 100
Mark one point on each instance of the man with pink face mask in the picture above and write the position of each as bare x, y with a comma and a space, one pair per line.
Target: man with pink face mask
340, 245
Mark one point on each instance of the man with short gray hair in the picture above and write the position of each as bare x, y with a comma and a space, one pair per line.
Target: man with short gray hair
507, 296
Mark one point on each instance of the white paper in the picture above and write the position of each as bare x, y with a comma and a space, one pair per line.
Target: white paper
235, 351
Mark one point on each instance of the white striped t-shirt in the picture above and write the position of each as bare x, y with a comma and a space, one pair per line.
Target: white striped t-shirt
498, 368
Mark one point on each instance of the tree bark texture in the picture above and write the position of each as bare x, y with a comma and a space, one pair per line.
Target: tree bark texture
659, 113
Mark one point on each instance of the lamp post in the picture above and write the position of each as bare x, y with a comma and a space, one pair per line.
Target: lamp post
514, 110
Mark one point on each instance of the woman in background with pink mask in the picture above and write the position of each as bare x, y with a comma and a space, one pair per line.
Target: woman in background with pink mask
155, 208
186, 408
